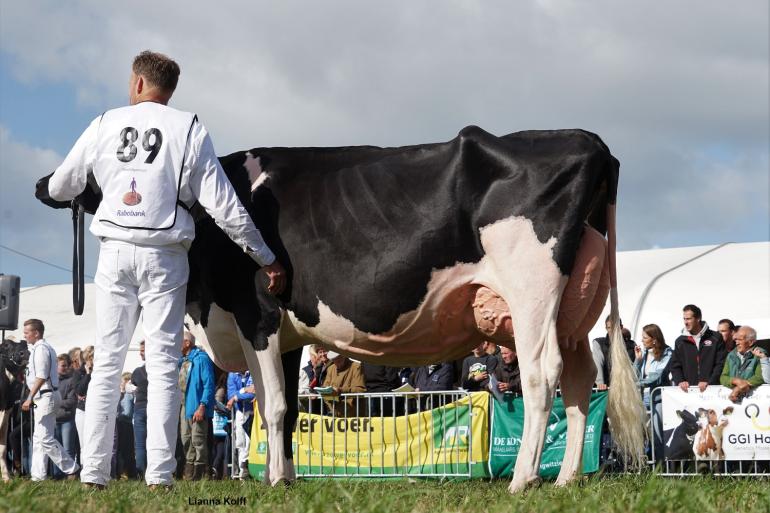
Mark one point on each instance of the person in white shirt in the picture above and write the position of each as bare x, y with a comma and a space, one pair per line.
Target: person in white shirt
43, 382
152, 163
764, 361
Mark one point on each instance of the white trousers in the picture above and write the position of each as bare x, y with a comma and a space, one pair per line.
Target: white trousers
241, 437
44, 445
130, 279
80, 426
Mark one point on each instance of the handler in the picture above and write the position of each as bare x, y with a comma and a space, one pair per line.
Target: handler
152, 162
43, 382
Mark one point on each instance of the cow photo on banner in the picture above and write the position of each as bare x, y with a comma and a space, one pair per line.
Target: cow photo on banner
708, 426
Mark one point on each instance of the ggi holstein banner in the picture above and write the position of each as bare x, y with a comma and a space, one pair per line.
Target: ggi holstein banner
708, 426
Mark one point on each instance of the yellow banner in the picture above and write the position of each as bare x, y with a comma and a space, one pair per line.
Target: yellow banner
450, 440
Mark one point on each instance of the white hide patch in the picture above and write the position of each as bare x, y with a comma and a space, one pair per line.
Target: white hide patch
515, 265
226, 351
253, 167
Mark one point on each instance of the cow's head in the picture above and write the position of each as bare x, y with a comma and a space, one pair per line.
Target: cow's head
689, 422
14, 357
89, 198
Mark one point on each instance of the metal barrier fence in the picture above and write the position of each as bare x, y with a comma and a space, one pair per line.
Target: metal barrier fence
399, 414
396, 413
690, 466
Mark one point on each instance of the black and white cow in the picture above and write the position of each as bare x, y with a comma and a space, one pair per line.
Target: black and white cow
413, 255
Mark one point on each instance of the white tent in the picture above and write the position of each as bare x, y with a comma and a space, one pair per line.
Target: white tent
52, 304
725, 281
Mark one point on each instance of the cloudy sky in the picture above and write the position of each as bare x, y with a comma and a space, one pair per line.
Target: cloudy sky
678, 91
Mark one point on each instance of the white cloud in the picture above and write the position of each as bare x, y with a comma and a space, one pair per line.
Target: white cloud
663, 85
26, 225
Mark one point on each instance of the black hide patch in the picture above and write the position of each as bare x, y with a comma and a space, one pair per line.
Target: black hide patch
361, 228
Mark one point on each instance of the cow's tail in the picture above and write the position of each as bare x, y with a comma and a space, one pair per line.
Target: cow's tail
625, 409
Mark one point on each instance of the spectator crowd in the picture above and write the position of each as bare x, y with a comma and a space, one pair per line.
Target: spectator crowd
217, 408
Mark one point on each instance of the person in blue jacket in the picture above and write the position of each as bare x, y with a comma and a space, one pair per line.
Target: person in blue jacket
196, 381
240, 393
651, 365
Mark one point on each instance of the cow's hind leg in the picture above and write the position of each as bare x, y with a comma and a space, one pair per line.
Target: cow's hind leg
269, 386
577, 379
540, 363
522, 271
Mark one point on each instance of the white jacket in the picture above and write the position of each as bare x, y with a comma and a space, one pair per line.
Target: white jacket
148, 159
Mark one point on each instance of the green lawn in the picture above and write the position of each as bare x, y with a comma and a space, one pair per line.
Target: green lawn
626, 494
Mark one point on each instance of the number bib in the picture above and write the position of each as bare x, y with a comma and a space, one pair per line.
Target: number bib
141, 151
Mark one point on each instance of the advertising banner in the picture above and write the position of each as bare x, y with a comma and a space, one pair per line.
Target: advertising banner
450, 440
508, 424
708, 426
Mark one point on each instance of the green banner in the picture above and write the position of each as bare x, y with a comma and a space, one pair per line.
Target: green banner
508, 423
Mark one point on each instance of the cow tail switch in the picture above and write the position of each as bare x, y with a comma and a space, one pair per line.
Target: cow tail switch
625, 409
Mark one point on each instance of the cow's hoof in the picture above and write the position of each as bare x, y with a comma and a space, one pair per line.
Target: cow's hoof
287, 474
283, 480
518, 486
574, 479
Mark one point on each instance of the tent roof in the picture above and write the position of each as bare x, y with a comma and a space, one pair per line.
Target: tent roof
52, 304
725, 281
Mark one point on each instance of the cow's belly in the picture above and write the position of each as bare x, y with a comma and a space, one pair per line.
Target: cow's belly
461, 309
441, 329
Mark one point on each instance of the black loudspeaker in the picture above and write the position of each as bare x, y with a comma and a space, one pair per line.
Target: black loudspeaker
9, 301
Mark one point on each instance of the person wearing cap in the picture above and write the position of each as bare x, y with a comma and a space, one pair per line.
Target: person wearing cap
346, 377
43, 381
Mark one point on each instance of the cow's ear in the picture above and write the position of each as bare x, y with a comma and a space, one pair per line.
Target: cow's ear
90, 199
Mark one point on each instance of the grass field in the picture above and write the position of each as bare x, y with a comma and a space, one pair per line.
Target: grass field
627, 494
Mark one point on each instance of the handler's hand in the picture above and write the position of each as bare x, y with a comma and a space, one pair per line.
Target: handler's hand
277, 275
26, 405
200, 414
